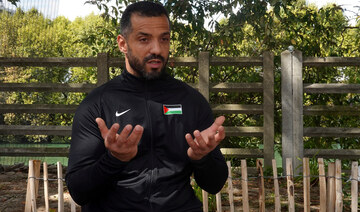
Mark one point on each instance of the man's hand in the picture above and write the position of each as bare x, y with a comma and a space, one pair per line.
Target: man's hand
206, 140
123, 146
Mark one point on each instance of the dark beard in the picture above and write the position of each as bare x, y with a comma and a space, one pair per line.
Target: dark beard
139, 67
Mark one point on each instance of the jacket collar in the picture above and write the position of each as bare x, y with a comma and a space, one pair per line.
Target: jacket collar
134, 82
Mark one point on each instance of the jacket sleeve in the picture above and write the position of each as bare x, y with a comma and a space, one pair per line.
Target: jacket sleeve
91, 168
211, 171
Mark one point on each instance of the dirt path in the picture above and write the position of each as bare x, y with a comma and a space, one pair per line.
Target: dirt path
13, 185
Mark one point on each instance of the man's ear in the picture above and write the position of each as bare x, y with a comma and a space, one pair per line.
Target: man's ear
122, 44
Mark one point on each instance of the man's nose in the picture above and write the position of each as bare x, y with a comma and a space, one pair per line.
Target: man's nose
155, 48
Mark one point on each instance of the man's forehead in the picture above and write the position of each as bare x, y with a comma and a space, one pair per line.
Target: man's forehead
140, 22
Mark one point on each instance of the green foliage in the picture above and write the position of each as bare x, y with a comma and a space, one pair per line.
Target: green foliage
30, 34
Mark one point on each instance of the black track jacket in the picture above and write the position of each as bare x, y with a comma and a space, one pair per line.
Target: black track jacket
158, 178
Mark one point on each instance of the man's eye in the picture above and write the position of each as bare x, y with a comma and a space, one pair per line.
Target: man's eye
143, 39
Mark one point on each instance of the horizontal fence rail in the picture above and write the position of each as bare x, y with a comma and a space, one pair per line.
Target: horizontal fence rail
47, 87
331, 61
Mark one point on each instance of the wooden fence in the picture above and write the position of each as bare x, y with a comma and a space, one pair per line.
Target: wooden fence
329, 189
292, 90
293, 110
103, 63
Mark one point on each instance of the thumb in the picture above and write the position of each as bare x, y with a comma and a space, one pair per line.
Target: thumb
102, 127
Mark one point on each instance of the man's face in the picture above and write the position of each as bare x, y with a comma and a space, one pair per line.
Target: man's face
146, 47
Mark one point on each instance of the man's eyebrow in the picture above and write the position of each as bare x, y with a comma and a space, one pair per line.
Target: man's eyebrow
143, 34
147, 34
166, 33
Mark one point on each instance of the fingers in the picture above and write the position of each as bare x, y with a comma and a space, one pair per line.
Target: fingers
195, 144
206, 140
110, 135
124, 134
217, 123
136, 135
199, 144
220, 135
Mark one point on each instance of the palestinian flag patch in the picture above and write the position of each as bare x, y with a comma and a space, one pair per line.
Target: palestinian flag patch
172, 109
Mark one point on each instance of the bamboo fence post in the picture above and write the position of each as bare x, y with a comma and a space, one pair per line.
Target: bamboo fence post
306, 181
218, 202
354, 186
205, 201
230, 188
290, 184
46, 186
37, 167
244, 186
261, 185
73, 206
331, 188
276, 187
60, 188
338, 184
30, 202
322, 185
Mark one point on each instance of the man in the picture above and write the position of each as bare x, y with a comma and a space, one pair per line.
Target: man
131, 149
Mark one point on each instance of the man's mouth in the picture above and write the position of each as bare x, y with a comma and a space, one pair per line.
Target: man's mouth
154, 63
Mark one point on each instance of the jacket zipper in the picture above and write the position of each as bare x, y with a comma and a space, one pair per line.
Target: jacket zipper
148, 117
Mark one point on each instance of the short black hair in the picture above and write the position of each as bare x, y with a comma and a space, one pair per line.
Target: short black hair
142, 8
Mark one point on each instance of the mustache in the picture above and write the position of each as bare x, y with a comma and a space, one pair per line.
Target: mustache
154, 56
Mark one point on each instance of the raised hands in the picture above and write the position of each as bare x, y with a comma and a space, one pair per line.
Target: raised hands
123, 146
206, 140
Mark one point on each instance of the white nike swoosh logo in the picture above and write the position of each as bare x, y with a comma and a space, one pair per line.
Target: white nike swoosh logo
122, 113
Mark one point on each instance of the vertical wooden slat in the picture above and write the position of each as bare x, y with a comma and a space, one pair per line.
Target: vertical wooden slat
268, 106
230, 187
46, 186
244, 186
338, 184
322, 185
261, 185
102, 68
204, 69
205, 198
276, 187
354, 186
60, 188
290, 185
306, 181
331, 188
218, 202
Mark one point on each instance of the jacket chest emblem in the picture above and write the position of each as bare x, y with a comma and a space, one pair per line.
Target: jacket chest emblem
172, 109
